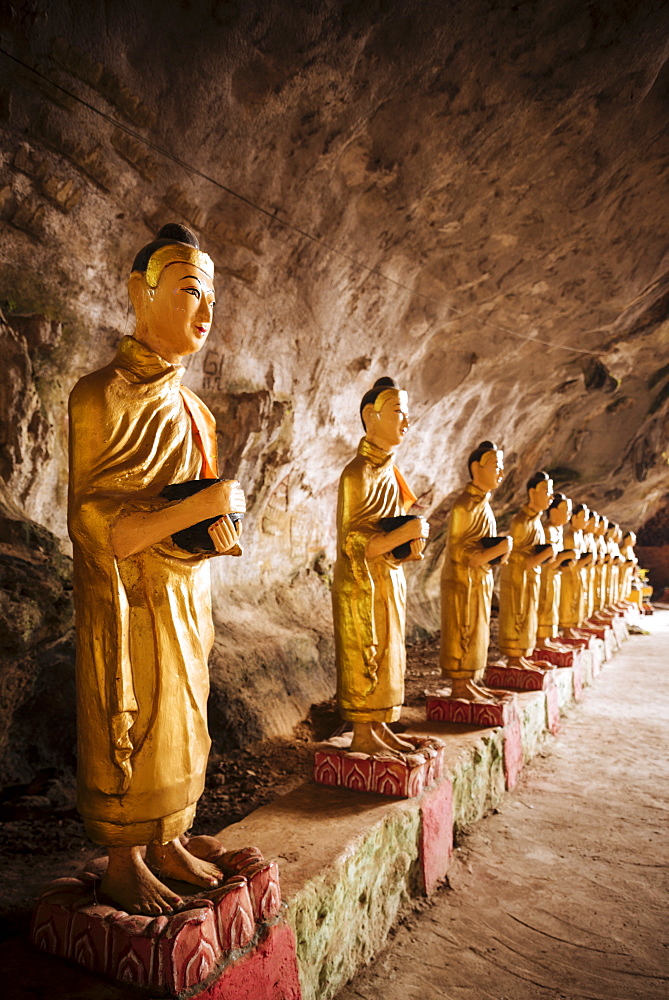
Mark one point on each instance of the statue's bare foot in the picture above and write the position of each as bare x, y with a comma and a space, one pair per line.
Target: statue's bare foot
522, 663
174, 861
469, 690
365, 740
130, 884
390, 738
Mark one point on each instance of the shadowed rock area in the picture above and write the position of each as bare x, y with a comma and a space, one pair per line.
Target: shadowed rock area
499, 169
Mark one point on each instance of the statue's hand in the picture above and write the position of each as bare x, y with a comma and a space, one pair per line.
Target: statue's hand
226, 497
417, 546
223, 535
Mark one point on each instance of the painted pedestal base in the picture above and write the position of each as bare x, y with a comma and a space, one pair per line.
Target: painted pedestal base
169, 955
406, 777
529, 680
488, 714
605, 634
558, 657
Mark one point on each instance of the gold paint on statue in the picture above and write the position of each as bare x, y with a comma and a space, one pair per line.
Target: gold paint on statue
551, 572
143, 606
172, 254
602, 565
467, 578
520, 577
575, 577
369, 588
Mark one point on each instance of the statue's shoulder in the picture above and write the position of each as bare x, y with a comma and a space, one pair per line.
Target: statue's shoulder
94, 387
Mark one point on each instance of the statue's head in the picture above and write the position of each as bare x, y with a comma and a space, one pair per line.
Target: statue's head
603, 525
591, 522
629, 538
171, 288
559, 511
384, 412
611, 531
539, 491
579, 516
486, 466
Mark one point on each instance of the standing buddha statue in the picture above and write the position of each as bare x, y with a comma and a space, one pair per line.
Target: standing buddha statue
559, 513
369, 588
520, 577
467, 578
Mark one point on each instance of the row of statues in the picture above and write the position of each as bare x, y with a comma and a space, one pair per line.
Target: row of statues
147, 513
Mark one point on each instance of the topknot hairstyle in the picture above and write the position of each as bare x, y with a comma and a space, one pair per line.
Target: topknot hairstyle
381, 384
171, 233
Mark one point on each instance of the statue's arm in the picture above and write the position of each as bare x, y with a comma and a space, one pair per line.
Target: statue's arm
381, 543
132, 533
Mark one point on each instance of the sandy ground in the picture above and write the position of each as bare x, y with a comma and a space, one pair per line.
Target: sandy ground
562, 895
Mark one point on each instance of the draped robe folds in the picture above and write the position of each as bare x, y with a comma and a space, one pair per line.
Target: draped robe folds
466, 592
601, 574
574, 582
519, 586
369, 595
549, 589
614, 572
144, 626
591, 546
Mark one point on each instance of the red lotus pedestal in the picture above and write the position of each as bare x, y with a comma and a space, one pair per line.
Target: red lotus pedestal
185, 952
517, 679
360, 772
558, 657
488, 714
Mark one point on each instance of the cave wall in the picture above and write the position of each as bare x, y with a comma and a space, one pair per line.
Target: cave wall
500, 169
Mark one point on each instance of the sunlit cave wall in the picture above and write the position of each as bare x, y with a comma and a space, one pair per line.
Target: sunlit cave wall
500, 171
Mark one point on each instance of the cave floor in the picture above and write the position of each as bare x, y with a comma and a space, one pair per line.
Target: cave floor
563, 893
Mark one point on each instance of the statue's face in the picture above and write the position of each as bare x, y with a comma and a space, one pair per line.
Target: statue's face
489, 472
179, 311
541, 495
560, 515
391, 422
578, 520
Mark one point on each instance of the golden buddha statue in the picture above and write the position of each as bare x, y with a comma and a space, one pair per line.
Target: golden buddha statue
369, 589
602, 565
467, 579
559, 513
143, 606
590, 543
613, 576
575, 578
629, 565
520, 576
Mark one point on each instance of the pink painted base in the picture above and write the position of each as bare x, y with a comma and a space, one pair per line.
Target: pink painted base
577, 678
605, 634
513, 753
268, 972
558, 657
517, 679
167, 954
361, 773
436, 835
492, 713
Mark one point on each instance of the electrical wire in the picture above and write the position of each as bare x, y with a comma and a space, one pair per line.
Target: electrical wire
286, 223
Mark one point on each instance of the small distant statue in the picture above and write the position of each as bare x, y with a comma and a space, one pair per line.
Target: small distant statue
374, 540
143, 604
472, 546
602, 565
548, 627
520, 576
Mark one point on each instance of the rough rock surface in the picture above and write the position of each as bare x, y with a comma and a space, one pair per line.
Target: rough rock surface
501, 169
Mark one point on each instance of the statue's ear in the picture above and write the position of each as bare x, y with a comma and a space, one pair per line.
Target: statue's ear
139, 292
368, 413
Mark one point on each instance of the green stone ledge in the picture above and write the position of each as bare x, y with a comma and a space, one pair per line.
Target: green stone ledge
350, 862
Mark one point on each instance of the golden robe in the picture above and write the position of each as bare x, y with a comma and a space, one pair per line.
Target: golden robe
614, 573
590, 599
466, 592
574, 585
601, 574
519, 586
549, 589
369, 595
144, 626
